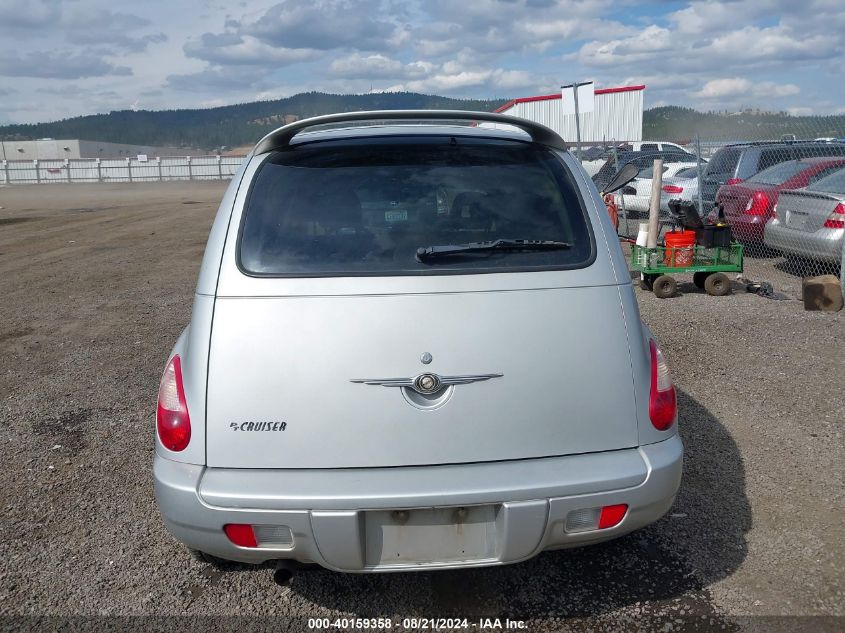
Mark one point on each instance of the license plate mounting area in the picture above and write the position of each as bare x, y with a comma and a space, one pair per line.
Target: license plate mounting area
431, 536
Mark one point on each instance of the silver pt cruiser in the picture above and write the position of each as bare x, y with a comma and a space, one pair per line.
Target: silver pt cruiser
414, 345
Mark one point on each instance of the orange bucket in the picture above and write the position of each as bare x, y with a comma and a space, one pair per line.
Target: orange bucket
680, 248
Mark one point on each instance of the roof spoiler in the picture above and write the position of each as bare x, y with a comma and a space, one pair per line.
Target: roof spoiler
281, 138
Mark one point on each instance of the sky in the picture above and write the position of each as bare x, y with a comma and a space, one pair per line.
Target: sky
63, 58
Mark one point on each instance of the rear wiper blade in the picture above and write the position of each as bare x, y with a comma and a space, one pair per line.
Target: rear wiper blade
431, 252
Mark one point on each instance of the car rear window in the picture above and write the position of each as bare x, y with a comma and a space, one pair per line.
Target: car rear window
780, 173
365, 207
826, 149
689, 172
723, 162
834, 183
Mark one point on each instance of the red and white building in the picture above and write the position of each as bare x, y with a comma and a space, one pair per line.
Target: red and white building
617, 115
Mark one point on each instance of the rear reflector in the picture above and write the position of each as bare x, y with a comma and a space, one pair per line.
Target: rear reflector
662, 405
837, 218
270, 536
612, 515
673, 189
582, 520
733, 181
240, 534
278, 536
588, 519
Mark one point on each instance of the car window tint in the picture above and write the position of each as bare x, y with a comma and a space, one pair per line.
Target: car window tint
724, 161
648, 172
823, 173
833, 183
780, 173
771, 157
828, 149
365, 207
646, 147
689, 172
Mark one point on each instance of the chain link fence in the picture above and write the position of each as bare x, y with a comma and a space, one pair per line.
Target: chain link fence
783, 199
76, 170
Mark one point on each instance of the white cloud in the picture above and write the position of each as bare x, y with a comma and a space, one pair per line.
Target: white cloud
245, 49
496, 81
734, 87
357, 66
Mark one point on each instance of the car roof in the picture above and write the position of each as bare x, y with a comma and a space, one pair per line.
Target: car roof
627, 157
764, 144
816, 160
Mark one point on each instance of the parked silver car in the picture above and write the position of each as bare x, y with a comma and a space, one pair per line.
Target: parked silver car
810, 222
413, 347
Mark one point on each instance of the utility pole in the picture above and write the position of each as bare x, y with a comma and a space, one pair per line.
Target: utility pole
577, 121
588, 106
698, 173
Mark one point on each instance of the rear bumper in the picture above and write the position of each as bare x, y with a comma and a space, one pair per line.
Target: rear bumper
824, 244
326, 509
747, 227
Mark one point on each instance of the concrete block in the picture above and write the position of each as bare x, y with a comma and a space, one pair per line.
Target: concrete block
822, 293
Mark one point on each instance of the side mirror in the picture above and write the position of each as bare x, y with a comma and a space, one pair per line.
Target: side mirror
627, 190
622, 178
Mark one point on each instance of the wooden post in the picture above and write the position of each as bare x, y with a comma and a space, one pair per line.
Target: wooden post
219, 168
6, 173
99, 171
67, 166
158, 160
129, 167
37, 173
190, 175
654, 206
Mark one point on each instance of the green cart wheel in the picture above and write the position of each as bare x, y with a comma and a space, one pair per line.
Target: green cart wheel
699, 278
717, 285
664, 286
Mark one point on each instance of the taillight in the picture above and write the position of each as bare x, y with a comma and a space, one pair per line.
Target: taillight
172, 419
758, 204
662, 405
834, 222
673, 189
733, 181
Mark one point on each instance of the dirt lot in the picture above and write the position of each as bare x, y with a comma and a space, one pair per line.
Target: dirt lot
95, 286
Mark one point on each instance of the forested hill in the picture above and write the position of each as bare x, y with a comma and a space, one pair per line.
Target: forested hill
245, 123
682, 124
230, 126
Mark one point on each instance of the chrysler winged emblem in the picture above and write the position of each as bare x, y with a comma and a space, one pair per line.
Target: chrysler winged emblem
427, 383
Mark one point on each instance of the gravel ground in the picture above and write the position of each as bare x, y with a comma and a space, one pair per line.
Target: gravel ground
96, 284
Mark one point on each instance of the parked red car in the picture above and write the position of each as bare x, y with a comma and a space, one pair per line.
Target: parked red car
750, 204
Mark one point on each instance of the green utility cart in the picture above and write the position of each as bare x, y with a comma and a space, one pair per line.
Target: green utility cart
708, 266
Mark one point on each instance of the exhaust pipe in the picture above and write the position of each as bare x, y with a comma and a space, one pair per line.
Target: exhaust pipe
285, 570
283, 574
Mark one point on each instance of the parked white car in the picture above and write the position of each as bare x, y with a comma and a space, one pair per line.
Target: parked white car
658, 146
639, 202
682, 186
592, 160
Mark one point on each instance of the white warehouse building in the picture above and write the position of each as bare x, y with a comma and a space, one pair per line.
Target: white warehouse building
617, 115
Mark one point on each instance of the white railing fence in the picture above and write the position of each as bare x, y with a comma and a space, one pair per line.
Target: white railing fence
13, 172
